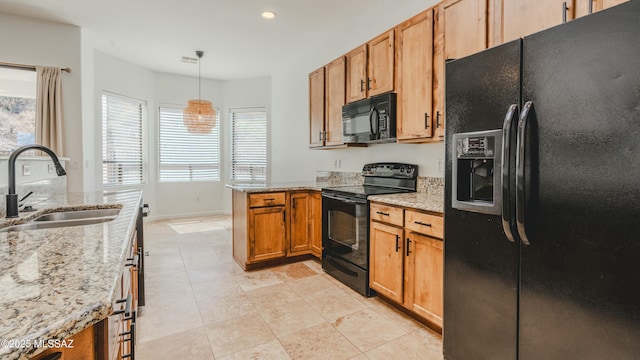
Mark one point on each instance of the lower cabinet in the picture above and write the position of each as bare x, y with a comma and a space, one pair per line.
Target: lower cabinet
406, 261
276, 225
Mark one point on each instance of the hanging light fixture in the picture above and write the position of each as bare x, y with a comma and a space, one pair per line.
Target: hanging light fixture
199, 116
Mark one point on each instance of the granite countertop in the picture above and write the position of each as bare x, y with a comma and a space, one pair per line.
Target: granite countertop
278, 186
56, 282
416, 200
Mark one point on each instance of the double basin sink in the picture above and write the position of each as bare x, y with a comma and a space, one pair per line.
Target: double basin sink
67, 218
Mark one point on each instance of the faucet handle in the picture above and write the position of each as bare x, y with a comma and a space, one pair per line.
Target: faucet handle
26, 196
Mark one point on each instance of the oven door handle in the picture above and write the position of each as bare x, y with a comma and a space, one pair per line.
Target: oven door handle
344, 199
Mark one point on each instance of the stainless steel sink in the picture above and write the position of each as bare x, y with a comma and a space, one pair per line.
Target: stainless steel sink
79, 214
67, 218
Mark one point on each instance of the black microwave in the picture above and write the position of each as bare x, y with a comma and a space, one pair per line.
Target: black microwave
371, 120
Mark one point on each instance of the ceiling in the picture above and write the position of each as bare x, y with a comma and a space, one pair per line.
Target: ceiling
236, 41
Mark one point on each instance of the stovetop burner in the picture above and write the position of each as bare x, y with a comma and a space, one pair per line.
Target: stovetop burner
381, 178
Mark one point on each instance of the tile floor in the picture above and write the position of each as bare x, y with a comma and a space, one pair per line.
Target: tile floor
202, 305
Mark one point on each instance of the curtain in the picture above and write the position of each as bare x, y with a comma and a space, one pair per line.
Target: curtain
49, 112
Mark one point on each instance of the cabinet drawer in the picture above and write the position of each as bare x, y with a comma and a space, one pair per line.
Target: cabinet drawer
424, 224
388, 214
266, 199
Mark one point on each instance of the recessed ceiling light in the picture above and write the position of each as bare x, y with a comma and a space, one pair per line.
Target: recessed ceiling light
268, 15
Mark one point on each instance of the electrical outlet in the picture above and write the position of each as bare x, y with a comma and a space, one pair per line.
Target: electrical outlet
50, 168
26, 170
440, 165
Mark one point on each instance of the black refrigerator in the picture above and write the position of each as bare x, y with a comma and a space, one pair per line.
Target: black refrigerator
542, 195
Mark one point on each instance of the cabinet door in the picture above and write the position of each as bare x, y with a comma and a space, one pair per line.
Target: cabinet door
316, 224
300, 223
460, 30
584, 6
525, 17
336, 88
386, 266
267, 235
316, 108
381, 64
424, 277
356, 74
415, 70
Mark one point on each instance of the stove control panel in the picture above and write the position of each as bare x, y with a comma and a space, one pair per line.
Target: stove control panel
391, 170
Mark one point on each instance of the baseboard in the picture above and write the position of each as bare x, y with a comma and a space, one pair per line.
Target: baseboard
187, 215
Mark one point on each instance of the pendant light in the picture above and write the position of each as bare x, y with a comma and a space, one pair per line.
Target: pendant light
199, 116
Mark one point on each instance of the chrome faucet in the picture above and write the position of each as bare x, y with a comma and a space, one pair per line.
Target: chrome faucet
12, 197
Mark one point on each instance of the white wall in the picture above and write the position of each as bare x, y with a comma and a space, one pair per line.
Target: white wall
292, 160
35, 42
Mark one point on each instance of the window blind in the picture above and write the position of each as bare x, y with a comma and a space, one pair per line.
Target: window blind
249, 145
122, 140
185, 156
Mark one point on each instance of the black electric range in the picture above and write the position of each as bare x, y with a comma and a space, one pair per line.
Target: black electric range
345, 221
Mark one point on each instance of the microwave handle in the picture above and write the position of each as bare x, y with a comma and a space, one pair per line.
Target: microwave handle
374, 133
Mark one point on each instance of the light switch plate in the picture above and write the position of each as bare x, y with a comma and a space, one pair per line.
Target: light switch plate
26, 170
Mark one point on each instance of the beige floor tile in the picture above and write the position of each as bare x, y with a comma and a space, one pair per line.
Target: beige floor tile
289, 318
333, 303
398, 317
221, 287
257, 279
269, 351
225, 308
315, 265
292, 272
205, 274
367, 329
362, 357
417, 345
311, 286
231, 336
319, 342
168, 315
192, 344
178, 281
272, 296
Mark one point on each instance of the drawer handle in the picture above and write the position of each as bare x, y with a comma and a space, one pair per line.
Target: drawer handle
421, 223
127, 308
382, 213
269, 199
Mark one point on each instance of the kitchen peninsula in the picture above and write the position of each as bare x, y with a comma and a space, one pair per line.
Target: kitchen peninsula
58, 282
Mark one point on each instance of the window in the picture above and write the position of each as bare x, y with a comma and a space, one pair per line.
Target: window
185, 156
248, 145
122, 140
17, 109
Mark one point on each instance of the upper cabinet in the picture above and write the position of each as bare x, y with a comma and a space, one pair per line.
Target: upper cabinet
415, 78
316, 108
357, 74
370, 68
460, 28
335, 98
586, 7
524, 17
381, 64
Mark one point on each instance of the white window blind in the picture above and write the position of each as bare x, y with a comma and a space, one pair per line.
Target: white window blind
249, 145
122, 140
185, 156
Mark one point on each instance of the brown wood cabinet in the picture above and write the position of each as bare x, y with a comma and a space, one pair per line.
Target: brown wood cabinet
275, 226
335, 98
267, 233
356, 74
584, 6
460, 28
387, 257
316, 224
316, 108
521, 17
371, 68
406, 261
415, 78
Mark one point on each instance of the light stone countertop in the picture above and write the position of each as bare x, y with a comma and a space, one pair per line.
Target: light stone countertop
416, 200
278, 186
56, 282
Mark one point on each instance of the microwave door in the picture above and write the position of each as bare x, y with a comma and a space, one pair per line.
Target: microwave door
374, 122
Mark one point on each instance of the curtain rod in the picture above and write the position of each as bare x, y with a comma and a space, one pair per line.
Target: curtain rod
28, 67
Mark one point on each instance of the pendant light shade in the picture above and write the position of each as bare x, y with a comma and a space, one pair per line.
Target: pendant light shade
199, 116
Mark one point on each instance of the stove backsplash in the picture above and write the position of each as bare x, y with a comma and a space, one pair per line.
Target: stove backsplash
429, 185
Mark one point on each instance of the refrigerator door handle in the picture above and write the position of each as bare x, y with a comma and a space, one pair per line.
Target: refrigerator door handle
520, 164
507, 128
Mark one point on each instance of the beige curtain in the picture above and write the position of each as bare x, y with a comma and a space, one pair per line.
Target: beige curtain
49, 112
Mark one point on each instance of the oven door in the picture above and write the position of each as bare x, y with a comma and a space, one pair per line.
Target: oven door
345, 228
